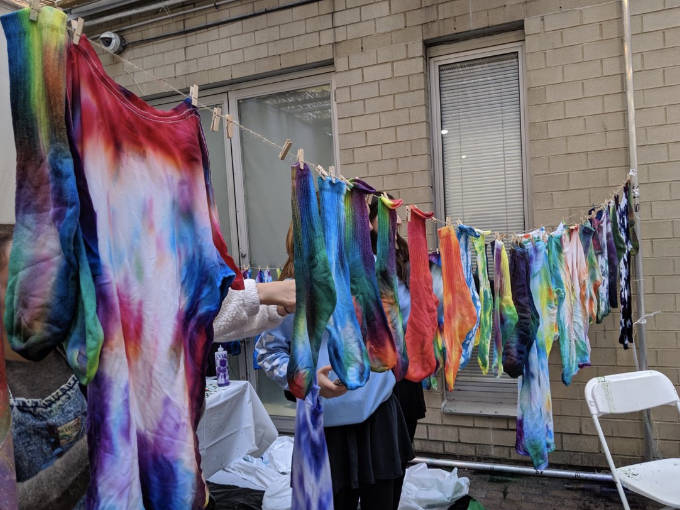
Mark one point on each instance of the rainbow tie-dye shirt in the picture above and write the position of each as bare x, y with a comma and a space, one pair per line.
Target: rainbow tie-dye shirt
159, 264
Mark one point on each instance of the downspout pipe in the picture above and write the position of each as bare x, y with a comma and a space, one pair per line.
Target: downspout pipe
641, 323
514, 470
130, 13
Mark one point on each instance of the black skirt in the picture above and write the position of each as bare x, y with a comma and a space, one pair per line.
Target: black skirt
412, 401
377, 449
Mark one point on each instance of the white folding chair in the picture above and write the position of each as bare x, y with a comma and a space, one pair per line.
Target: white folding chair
626, 393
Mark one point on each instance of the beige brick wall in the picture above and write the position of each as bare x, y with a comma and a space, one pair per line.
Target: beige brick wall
577, 147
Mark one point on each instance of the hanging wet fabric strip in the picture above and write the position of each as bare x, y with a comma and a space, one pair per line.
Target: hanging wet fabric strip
594, 279
464, 233
599, 224
460, 314
483, 337
346, 348
516, 349
315, 296
578, 273
382, 351
422, 324
535, 431
626, 318
50, 293
612, 258
504, 312
563, 295
386, 274
310, 471
632, 234
438, 343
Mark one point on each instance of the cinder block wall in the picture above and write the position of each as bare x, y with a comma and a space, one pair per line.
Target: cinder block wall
577, 147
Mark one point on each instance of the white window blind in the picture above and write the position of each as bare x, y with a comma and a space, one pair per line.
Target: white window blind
482, 142
483, 179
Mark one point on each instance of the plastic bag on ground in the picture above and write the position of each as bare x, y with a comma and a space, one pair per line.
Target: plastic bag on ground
431, 489
279, 495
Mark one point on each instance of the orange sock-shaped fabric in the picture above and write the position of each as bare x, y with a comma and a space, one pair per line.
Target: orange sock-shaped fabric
460, 315
422, 323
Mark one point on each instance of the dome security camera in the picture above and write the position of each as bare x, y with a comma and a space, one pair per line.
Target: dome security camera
112, 42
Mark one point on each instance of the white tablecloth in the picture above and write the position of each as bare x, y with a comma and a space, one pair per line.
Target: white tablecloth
235, 424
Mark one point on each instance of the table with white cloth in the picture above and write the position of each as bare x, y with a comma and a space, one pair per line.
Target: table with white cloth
235, 423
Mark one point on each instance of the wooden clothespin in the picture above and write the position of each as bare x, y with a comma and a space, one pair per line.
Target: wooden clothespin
193, 92
301, 157
284, 151
322, 172
229, 121
448, 221
77, 26
331, 171
458, 222
35, 9
217, 114
408, 213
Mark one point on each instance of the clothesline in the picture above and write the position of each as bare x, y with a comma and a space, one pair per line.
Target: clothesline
318, 168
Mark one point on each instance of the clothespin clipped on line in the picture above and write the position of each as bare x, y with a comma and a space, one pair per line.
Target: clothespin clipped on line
35, 9
217, 114
331, 171
301, 157
229, 126
448, 221
193, 92
286, 148
77, 27
324, 174
458, 222
408, 213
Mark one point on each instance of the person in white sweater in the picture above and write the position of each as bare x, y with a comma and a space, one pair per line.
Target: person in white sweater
259, 307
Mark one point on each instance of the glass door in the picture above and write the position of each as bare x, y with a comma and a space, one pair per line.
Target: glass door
299, 110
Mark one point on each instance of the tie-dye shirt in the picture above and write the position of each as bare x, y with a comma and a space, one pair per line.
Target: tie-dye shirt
160, 269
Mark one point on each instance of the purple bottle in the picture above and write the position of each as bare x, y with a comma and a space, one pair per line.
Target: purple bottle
222, 366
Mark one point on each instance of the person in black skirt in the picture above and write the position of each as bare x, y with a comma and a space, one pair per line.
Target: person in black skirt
366, 434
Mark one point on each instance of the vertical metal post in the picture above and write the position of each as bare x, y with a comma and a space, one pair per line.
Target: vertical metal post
632, 157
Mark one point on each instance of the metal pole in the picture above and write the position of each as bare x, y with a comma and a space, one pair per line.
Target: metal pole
639, 275
514, 470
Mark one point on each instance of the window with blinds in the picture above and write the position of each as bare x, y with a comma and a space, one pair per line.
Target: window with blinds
481, 176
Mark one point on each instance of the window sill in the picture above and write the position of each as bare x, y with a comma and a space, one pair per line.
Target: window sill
479, 408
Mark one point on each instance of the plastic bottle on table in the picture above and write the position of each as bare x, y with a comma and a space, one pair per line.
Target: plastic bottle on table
222, 366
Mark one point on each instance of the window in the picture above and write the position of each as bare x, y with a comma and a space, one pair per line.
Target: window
252, 186
480, 175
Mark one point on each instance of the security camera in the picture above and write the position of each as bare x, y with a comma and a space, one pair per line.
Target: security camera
112, 42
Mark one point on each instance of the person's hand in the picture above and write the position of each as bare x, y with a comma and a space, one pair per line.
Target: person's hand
281, 311
328, 389
279, 294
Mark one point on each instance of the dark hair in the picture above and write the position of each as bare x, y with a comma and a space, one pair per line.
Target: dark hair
401, 246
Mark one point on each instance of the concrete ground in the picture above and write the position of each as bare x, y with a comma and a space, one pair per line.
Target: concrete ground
512, 492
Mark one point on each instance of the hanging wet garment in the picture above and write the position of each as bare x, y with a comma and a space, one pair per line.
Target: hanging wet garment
382, 350
626, 317
315, 295
346, 348
386, 274
483, 337
438, 343
632, 234
51, 298
460, 314
535, 432
9, 498
310, 471
464, 233
268, 276
146, 173
599, 224
563, 293
260, 276
612, 258
578, 274
504, 311
247, 273
516, 349
422, 323
594, 280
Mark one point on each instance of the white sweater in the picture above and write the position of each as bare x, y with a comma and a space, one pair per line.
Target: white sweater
242, 315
